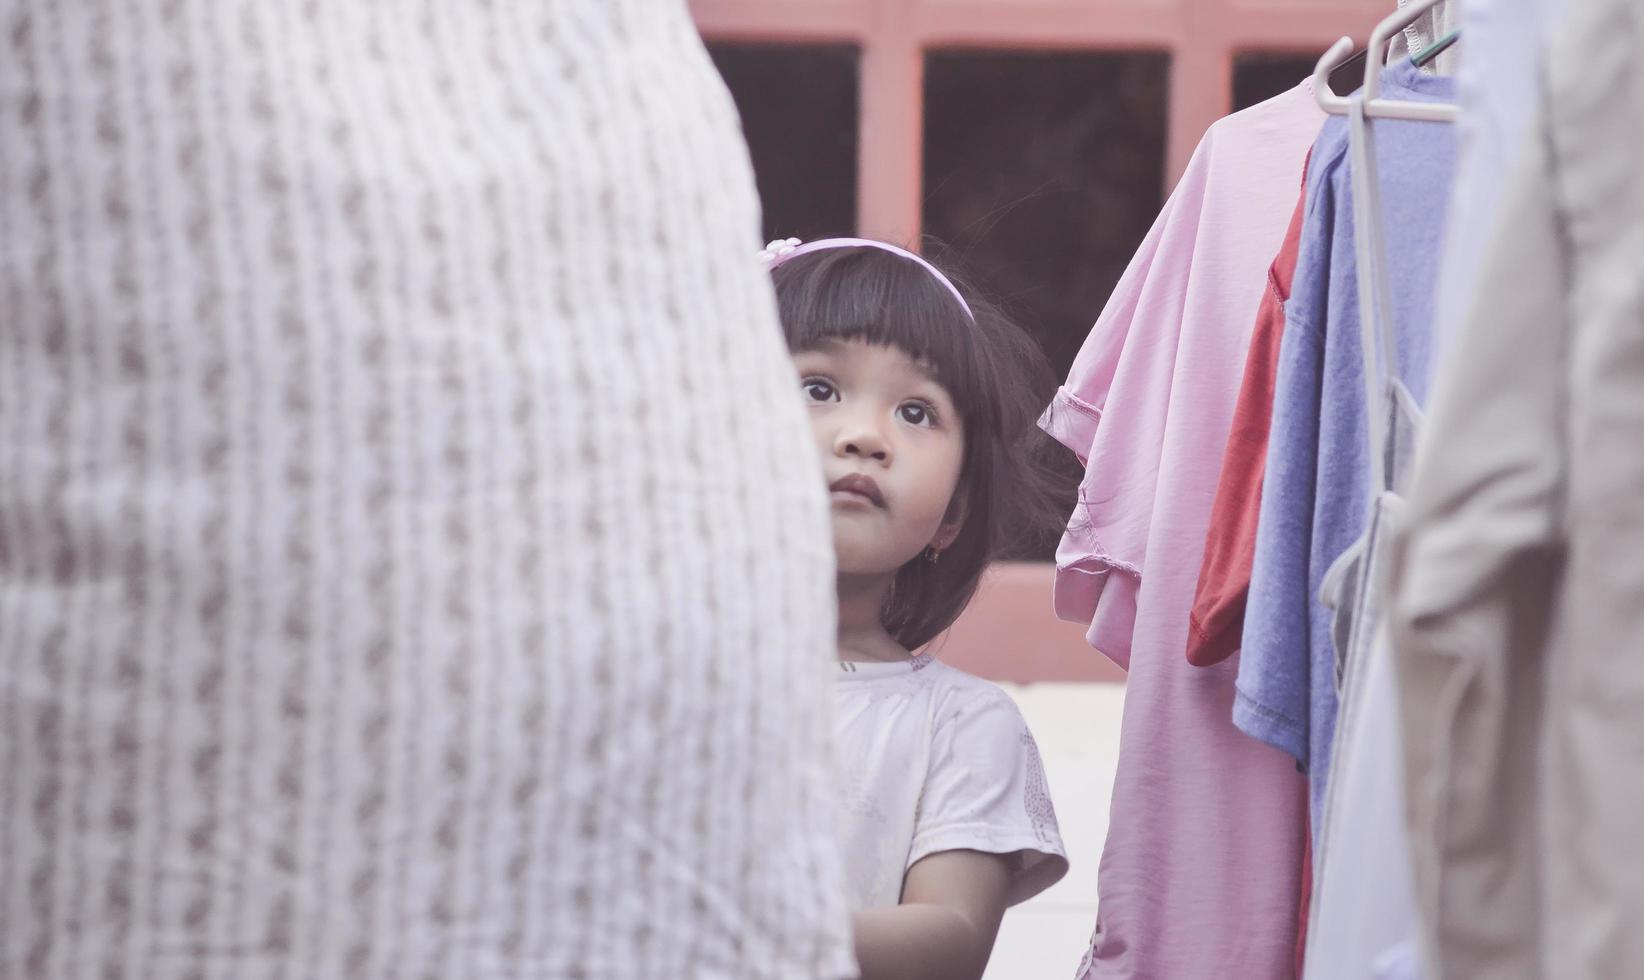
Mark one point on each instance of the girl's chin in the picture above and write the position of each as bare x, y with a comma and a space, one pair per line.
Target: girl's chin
862, 561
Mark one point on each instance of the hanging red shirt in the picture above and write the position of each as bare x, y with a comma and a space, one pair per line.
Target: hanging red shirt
1217, 619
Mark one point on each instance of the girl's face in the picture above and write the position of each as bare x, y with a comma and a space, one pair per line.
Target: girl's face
892, 446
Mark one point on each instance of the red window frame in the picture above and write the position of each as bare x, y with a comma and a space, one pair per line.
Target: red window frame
1009, 633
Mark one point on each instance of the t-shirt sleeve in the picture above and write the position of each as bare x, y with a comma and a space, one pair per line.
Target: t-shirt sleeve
986, 791
1217, 619
1216, 623
1075, 414
1274, 681
1096, 580
1113, 412
1273, 691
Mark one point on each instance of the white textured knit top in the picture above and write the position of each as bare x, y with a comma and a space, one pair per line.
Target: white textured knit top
413, 561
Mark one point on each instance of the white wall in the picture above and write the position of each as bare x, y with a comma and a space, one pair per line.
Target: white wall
1077, 728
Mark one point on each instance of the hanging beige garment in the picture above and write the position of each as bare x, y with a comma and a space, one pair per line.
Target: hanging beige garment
1519, 579
413, 562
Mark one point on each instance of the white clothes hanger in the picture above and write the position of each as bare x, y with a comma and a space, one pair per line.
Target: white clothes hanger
1376, 107
1377, 336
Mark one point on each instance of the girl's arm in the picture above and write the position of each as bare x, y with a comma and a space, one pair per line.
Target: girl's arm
944, 929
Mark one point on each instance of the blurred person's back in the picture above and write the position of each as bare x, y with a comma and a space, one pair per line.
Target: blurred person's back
412, 557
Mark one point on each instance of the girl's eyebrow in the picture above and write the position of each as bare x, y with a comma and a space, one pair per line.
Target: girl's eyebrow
937, 392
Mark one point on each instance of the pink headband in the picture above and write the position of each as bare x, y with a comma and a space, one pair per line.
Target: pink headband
782, 250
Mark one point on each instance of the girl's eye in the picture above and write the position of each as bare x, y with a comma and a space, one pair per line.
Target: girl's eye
918, 413
819, 390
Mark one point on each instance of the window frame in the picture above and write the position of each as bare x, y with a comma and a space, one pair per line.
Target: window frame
1202, 37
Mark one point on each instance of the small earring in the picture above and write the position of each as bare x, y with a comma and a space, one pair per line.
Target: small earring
931, 554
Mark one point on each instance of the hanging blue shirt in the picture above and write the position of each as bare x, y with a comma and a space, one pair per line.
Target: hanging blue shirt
1315, 497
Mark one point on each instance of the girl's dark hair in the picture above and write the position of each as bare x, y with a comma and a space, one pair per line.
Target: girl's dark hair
999, 381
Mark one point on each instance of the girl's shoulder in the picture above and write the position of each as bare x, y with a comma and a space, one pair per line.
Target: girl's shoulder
964, 696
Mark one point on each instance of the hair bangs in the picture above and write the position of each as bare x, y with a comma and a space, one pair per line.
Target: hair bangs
875, 297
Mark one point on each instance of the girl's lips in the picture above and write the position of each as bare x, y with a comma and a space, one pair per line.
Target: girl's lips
861, 485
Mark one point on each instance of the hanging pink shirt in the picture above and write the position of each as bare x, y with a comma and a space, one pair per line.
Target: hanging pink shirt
1201, 873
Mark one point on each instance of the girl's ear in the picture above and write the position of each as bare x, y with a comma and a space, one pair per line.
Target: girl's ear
953, 521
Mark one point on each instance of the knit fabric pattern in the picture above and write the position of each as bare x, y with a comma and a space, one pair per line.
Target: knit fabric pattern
413, 558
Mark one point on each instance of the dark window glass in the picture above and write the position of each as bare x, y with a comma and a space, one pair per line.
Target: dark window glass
799, 107
1260, 75
1044, 171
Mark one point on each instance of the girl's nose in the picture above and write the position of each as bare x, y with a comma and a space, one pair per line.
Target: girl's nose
862, 441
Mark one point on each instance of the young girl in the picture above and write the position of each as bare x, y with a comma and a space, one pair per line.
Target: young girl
923, 403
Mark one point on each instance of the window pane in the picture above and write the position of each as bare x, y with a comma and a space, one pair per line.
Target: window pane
1260, 75
1044, 172
799, 113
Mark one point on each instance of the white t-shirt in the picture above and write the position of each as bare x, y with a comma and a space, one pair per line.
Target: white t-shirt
934, 760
